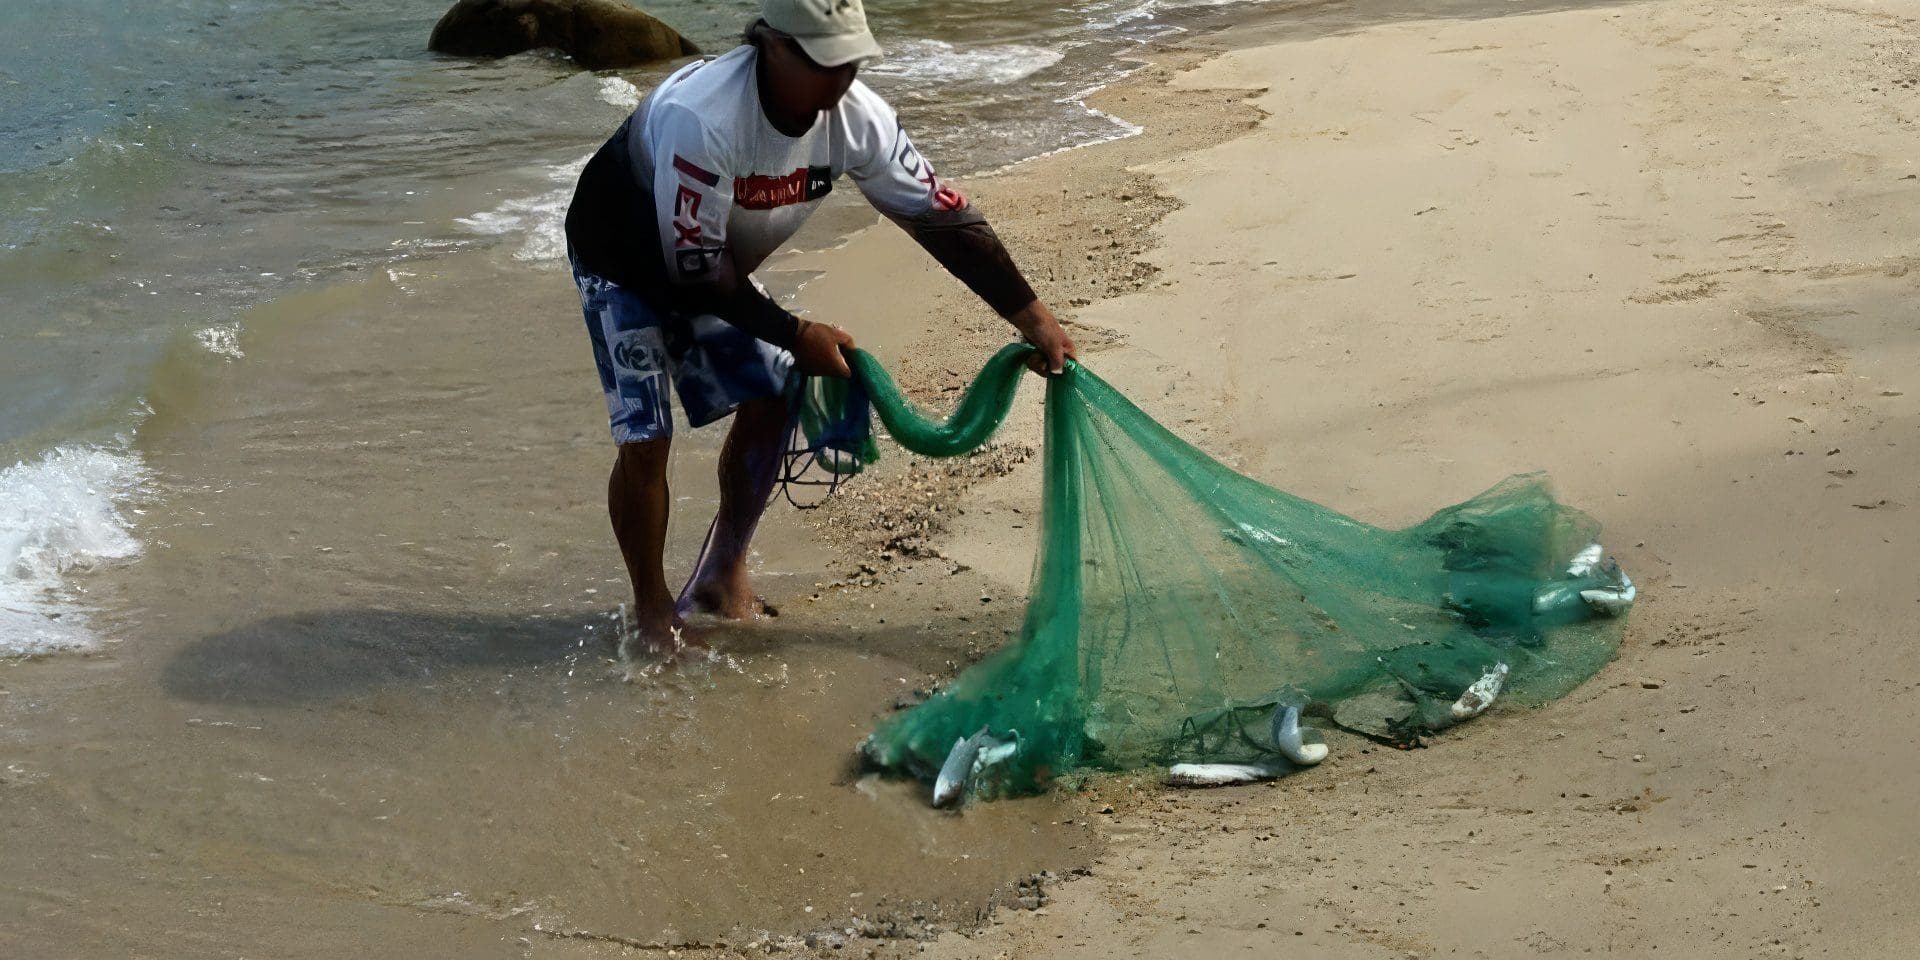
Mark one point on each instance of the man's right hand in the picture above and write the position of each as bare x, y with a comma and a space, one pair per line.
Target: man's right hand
816, 352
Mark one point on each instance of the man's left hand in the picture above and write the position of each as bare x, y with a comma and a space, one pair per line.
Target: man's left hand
1038, 326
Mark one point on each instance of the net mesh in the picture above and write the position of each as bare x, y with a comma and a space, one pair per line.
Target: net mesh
1175, 602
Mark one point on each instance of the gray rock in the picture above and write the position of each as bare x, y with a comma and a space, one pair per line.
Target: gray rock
598, 34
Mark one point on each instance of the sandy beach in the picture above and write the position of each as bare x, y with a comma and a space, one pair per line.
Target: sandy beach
1662, 251
1378, 256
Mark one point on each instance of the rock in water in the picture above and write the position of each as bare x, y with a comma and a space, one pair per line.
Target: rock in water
598, 34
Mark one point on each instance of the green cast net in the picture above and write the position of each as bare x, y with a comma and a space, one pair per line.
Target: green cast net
1174, 603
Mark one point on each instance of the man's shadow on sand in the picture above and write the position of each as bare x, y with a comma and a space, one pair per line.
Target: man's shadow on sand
338, 654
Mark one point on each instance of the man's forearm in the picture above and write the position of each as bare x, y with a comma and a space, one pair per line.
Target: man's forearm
756, 313
967, 247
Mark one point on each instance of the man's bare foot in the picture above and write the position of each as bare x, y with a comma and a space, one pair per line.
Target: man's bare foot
733, 600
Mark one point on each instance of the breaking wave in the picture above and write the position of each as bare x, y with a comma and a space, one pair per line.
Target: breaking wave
939, 61
59, 514
541, 220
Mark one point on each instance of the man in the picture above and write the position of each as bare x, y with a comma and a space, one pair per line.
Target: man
713, 172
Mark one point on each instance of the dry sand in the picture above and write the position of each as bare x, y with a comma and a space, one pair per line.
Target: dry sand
1662, 251
1377, 256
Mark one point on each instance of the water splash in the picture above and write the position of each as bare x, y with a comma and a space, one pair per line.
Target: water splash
58, 515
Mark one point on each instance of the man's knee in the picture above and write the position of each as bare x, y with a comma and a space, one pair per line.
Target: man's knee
642, 461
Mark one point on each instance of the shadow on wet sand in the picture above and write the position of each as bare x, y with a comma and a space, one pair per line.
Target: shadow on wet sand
330, 655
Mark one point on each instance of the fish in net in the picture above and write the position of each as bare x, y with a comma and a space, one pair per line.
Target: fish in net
1181, 614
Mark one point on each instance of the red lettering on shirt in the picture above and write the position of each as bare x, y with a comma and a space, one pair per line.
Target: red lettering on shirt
945, 198
686, 217
763, 192
760, 192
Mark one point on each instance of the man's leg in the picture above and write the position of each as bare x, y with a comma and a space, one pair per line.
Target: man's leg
749, 464
630, 355
637, 503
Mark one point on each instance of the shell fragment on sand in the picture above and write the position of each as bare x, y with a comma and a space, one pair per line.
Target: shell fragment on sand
1480, 696
966, 760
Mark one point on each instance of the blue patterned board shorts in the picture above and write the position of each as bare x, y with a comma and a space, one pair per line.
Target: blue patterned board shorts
713, 364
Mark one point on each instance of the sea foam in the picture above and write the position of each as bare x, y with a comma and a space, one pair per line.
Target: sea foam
59, 514
221, 340
938, 60
540, 220
619, 92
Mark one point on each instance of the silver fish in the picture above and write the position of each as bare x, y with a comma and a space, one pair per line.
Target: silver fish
1617, 597
968, 757
1475, 700
1221, 774
1586, 561
1286, 740
1286, 737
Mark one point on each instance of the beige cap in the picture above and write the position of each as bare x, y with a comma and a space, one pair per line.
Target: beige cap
832, 32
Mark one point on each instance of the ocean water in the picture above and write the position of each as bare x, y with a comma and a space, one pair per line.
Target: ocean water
168, 164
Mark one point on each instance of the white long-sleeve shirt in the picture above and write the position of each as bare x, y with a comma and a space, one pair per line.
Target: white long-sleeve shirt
721, 175
700, 163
